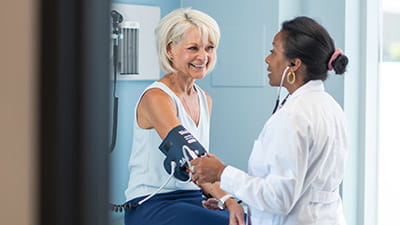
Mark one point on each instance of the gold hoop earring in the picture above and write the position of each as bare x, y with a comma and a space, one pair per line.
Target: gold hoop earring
291, 77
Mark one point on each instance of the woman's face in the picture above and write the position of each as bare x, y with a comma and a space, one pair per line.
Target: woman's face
190, 56
276, 60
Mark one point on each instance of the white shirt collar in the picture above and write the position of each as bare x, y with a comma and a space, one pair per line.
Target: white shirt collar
310, 86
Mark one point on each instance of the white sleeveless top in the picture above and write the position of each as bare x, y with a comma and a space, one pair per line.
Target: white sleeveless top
146, 168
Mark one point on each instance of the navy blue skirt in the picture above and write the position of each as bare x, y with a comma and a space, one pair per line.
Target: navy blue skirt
175, 208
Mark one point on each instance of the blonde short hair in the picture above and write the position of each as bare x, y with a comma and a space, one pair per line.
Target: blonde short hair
174, 25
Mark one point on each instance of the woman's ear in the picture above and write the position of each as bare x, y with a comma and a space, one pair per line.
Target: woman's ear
169, 51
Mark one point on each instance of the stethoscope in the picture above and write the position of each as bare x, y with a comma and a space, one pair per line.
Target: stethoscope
277, 102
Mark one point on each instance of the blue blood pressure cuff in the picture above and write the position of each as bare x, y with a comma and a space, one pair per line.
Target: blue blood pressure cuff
173, 147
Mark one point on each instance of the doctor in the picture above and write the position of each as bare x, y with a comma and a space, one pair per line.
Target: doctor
297, 161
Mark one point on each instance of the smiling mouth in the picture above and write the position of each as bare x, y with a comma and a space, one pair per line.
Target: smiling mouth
198, 66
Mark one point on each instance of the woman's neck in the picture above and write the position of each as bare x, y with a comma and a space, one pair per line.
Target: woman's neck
179, 84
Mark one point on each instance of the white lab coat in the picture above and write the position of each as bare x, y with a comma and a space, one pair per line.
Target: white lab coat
297, 163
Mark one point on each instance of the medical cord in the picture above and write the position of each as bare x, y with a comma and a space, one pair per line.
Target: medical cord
184, 149
115, 98
279, 90
126, 206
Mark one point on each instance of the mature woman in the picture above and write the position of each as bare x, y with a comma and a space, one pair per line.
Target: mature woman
297, 162
187, 41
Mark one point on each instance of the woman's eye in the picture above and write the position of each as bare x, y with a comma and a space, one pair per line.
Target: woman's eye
209, 48
193, 48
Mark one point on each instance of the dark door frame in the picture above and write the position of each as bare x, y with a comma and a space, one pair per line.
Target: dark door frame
74, 112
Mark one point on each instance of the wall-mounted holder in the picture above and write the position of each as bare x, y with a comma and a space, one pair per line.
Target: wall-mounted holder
137, 46
129, 49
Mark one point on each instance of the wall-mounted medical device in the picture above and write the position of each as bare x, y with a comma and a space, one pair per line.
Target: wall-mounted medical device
129, 48
137, 55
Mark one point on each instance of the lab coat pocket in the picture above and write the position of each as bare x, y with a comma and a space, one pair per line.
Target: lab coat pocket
258, 161
324, 206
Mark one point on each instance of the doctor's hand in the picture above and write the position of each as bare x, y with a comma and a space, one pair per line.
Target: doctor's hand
207, 169
236, 212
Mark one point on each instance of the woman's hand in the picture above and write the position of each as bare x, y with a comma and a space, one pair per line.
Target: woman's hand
207, 169
211, 203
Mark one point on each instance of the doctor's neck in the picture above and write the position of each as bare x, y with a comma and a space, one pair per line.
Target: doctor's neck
292, 88
295, 76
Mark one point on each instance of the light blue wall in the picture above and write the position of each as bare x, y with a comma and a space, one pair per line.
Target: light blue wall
242, 98
331, 14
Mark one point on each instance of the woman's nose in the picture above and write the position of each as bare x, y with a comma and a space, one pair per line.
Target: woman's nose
203, 54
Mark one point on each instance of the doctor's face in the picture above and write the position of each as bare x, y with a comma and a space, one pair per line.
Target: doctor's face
276, 60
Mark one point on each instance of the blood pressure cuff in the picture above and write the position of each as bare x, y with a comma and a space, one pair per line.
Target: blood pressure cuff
172, 147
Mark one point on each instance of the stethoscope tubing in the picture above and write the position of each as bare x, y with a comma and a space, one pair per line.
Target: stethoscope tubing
278, 95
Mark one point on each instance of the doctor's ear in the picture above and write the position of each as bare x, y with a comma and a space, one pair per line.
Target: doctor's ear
295, 64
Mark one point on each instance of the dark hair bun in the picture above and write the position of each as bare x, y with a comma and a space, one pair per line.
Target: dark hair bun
340, 63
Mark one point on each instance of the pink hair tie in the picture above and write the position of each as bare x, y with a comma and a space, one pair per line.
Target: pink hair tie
337, 52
